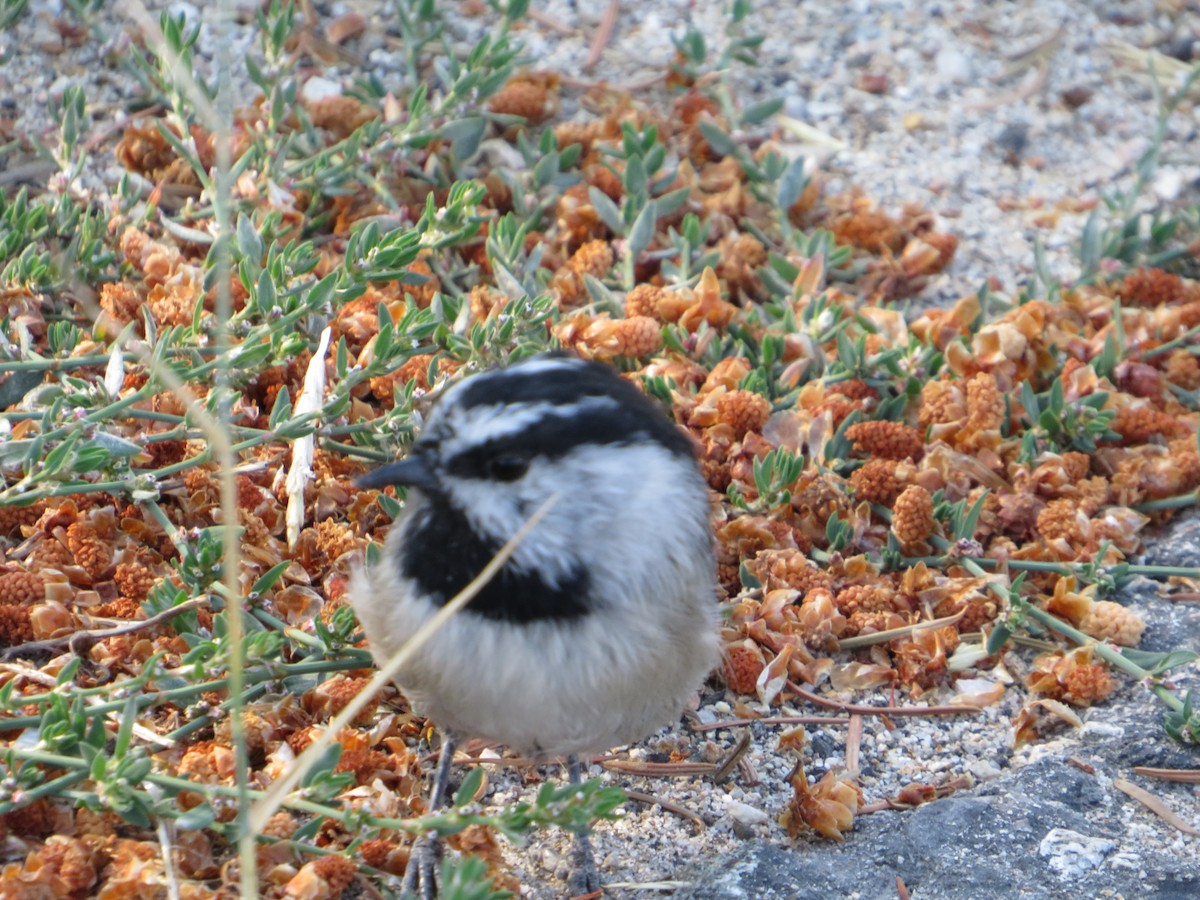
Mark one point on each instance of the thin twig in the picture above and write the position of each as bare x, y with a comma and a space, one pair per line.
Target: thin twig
660, 770
854, 743
603, 35
881, 637
1155, 805
103, 133
81, 641
944, 790
1023, 91
726, 766
1184, 597
890, 710
771, 720
1081, 765
632, 87
552, 23
667, 805
1186, 776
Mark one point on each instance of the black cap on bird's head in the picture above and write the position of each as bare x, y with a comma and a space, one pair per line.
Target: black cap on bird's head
493, 425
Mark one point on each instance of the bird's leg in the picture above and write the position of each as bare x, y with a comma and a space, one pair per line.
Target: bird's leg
419, 877
584, 878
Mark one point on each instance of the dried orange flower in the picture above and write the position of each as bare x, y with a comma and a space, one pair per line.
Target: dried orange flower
120, 302
21, 588
1140, 424
62, 867
605, 180
866, 226
334, 538
741, 257
728, 373
828, 807
604, 338
594, 258
1183, 369
325, 877
912, 515
209, 762
385, 855
1076, 465
743, 411
1108, 621
707, 305
744, 662
1071, 676
985, 403
51, 553
144, 150
839, 408
1063, 520
855, 389
877, 481
519, 97
51, 619
582, 133
16, 627
337, 871
486, 301
330, 697
867, 598
789, 568
134, 580
819, 621
921, 660
282, 825
644, 299
340, 115
577, 221
121, 608
888, 440
91, 553
1150, 287
13, 518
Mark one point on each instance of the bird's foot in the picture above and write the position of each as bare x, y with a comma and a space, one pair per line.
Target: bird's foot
420, 879
584, 878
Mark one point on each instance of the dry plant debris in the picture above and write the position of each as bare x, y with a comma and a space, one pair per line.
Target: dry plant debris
918, 488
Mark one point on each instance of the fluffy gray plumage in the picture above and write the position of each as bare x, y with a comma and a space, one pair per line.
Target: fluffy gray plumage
624, 625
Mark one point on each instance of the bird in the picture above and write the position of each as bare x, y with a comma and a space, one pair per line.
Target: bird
600, 626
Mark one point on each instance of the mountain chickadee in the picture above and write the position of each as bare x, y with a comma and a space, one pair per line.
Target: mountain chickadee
601, 624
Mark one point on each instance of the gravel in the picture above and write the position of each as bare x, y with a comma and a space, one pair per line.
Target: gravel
1010, 120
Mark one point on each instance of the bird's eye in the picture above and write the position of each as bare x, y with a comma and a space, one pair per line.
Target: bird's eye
507, 467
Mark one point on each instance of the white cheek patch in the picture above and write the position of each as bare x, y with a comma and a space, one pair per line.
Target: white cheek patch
605, 495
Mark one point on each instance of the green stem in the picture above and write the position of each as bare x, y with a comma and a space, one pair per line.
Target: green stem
51, 788
260, 675
1172, 344
53, 365
1178, 502
1105, 651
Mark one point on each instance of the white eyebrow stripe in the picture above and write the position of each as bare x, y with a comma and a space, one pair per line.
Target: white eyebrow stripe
500, 420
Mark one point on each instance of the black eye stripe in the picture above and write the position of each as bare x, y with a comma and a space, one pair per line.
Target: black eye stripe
508, 466
553, 437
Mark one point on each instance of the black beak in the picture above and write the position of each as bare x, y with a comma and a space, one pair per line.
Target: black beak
413, 471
